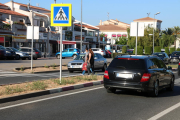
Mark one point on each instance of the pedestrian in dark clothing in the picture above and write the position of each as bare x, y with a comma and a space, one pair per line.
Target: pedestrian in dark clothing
91, 61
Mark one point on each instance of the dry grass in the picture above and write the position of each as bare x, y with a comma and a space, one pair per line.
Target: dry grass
29, 87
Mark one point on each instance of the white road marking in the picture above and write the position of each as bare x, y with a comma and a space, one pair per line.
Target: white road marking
25, 103
165, 112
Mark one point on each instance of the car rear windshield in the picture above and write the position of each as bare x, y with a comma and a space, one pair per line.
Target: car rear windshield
127, 63
95, 49
176, 54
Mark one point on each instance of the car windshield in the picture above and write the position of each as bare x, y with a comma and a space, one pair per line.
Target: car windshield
176, 54
95, 49
127, 64
14, 49
159, 54
80, 57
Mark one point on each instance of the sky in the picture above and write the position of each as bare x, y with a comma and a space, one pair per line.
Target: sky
123, 10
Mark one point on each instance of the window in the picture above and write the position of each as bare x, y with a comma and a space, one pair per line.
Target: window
115, 23
41, 23
0, 16
24, 50
149, 25
100, 56
20, 20
150, 64
66, 50
71, 50
128, 64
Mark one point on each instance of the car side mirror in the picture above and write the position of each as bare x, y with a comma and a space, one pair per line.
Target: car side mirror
95, 58
169, 68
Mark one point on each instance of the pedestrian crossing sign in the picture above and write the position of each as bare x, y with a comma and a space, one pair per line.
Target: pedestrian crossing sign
61, 14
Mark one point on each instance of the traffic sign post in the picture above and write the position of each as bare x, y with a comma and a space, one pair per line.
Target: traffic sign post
61, 15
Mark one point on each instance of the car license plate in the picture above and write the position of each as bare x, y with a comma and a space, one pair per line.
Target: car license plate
124, 75
75, 66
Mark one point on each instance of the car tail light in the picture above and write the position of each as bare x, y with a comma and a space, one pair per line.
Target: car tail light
102, 51
145, 77
106, 75
36, 52
179, 63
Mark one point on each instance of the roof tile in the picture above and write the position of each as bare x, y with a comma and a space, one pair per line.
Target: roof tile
11, 12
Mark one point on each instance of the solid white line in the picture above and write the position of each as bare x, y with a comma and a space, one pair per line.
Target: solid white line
25, 103
165, 112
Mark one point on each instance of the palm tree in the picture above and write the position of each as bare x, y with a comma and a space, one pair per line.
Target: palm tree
176, 30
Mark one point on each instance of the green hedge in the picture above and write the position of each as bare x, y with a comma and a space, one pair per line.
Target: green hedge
148, 50
139, 50
167, 50
113, 55
178, 49
172, 50
124, 49
157, 49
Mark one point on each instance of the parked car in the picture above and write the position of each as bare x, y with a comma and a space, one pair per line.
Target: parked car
76, 65
179, 69
141, 73
99, 50
70, 52
9, 53
130, 51
19, 54
175, 56
163, 56
108, 53
2, 52
36, 53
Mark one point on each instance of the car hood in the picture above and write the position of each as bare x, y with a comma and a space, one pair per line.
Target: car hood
76, 61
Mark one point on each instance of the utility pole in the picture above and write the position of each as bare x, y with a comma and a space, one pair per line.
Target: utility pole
81, 27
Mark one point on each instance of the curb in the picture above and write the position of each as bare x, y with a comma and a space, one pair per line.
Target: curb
51, 91
18, 70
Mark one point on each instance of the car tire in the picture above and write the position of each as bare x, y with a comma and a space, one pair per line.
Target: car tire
155, 91
29, 58
104, 67
111, 90
74, 56
70, 71
23, 58
63, 57
58, 56
35, 58
171, 86
17, 57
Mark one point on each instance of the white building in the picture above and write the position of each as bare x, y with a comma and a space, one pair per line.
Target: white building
113, 29
150, 22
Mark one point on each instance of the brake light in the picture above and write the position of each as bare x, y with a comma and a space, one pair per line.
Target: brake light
179, 63
36, 52
145, 77
128, 58
106, 75
102, 51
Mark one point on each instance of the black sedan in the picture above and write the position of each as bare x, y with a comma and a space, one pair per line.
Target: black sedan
175, 56
141, 73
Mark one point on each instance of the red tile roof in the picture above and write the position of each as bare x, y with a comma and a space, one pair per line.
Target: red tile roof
11, 12
86, 26
39, 8
3, 5
147, 18
110, 27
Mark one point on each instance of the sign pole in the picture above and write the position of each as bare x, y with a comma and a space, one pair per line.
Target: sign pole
32, 41
136, 37
60, 30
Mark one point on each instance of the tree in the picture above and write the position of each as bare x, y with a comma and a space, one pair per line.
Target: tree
102, 35
121, 41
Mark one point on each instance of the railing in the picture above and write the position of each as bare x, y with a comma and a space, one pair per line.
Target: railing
5, 26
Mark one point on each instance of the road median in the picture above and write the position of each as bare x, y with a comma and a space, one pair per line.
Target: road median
44, 87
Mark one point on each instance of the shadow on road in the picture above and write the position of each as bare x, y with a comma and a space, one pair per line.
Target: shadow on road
162, 93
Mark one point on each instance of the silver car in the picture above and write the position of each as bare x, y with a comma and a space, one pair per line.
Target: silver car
76, 65
19, 54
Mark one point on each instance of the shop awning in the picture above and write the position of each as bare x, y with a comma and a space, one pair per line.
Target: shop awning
2, 39
67, 42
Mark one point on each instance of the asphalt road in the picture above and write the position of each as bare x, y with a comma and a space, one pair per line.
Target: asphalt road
9, 77
9, 65
94, 103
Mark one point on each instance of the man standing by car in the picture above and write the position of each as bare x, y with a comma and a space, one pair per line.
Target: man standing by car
85, 58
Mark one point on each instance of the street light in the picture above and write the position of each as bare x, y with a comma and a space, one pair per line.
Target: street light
153, 29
